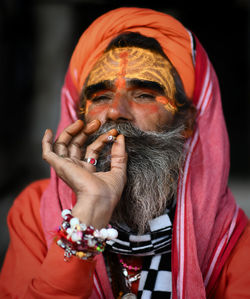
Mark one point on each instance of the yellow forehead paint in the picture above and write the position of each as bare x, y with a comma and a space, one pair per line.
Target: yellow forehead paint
134, 63
168, 104
85, 109
88, 103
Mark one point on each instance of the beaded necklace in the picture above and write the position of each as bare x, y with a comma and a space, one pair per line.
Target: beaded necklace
131, 275
129, 267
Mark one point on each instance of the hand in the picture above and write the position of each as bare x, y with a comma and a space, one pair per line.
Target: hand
97, 192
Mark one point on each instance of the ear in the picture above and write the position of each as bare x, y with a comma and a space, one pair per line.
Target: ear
190, 121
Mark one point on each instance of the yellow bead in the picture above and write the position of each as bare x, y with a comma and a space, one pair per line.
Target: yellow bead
80, 254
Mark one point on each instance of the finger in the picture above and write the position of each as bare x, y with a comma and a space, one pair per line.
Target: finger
47, 148
69, 132
92, 127
60, 146
94, 149
119, 157
75, 147
70, 172
47, 143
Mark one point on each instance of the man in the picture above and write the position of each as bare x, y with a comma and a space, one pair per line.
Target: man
150, 156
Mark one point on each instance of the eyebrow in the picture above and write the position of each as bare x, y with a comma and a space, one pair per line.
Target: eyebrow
102, 85
132, 83
136, 83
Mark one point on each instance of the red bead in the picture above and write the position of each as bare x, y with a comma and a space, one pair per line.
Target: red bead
89, 231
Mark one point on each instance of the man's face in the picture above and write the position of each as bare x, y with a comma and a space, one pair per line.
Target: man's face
133, 90
131, 84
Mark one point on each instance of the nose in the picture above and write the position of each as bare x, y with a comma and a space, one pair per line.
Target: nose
120, 109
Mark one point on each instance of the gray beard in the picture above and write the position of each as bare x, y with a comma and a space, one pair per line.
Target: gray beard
154, 163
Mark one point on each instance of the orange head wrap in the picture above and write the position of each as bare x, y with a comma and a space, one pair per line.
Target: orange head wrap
171, 34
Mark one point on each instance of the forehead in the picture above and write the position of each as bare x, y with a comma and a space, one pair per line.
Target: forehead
133, 63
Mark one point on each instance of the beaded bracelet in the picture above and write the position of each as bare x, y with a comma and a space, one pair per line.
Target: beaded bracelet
81, 240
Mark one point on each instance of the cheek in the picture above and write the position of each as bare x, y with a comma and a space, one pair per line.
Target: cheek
95, 111
145, 108
149, 116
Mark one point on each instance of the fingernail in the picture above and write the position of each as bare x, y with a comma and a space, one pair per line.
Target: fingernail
92, 123
79, 121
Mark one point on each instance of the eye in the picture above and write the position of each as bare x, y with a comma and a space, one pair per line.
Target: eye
148, 97
101, 98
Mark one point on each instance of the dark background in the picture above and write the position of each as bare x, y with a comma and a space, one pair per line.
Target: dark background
36, 41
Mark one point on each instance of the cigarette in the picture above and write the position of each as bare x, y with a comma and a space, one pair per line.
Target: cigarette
111, 138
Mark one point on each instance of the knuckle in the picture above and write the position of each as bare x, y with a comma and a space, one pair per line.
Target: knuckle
94, 151
90, 150
120, 159
75, 144
82, 135
59, 147
57, 143
55, 146
67, 131
45, 156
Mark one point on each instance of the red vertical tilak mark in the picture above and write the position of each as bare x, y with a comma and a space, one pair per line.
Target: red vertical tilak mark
120, 81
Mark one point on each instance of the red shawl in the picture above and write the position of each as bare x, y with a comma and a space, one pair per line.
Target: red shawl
208, 221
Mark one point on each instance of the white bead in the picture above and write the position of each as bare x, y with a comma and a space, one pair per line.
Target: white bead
112, 233
103, 233
83, 226
69, 231
91, 242
59, 242
75, 237
74, 221
65, 212
97, 233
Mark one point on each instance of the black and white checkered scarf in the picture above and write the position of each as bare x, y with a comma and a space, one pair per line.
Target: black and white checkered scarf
156, 276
